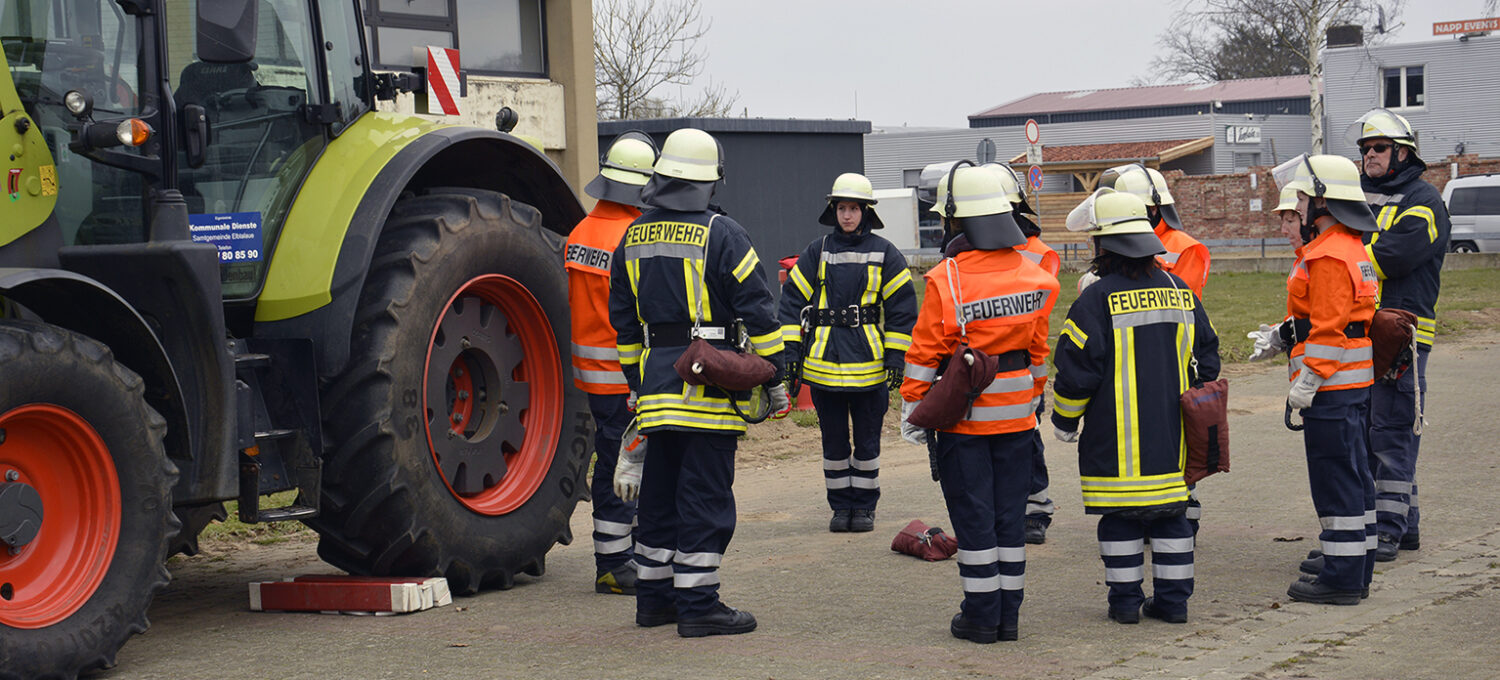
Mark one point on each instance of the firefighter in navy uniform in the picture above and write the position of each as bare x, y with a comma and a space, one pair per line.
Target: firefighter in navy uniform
990, 297
685, 270
1407, 253
1039, 505
596, 364
1124, 357
1330, 303
853, 294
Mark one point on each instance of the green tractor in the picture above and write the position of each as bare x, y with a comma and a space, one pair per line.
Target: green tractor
223, 275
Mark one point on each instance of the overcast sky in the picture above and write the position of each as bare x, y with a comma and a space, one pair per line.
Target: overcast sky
899, 62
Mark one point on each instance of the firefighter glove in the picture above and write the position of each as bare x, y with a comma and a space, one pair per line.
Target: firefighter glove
893, 377
628, 472
1303, 391
1064, 435
630, 402
1086, 280
780, 403
910, 432
1268, 342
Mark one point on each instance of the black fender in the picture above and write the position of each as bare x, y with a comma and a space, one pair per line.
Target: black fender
446, 157
84, 305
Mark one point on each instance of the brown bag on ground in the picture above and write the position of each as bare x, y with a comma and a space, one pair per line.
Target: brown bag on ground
1205, 427
929, 543
1390, 341
949, 399
703, 364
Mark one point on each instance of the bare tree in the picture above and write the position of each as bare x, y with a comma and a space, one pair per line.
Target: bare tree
641, 46
1228, 39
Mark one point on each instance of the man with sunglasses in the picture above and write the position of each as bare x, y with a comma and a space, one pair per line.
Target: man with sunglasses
1407, 252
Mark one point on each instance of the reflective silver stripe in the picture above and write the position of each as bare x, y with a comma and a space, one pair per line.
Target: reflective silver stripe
654, 573
1388, 505
1341, 523
1370, 516
1174, 572
1172, 545
921, 373
611, 547
1039, 371
1351, 376
853, 258
1034, 257
609, 528
687, 159
836, 482
680, 251
1194, 512
1169, 257
1108, 483
1317, 351
769, 344
592, 352
1017, 582
1023, 383
633, 353
1132, 319
699, 559
978, 557
993, 413
600, 377
1038, 497
1124, 575
1371, 542
977, 197
695, 579
654, 554
1344, 548
1012, 554
864, 483
988, 584
866, 465
835, 465
1121, 548
1393, 486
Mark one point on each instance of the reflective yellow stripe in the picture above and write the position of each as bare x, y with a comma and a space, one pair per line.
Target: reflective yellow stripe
1370, 253
633, 272
630, 355
768, 344
899, 342
855, 366
791, 333
895, 283
1127, 430
800, 281
842, 378
746, 265
1069, 408
1385, 219
1426, 331
1425, 213
1071, 331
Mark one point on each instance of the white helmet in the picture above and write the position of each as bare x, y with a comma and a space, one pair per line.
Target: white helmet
851, 186
1333, 178
1147, 183
1382, 123
1287, 200
976, 199
624, 169
693, 155
1118, 222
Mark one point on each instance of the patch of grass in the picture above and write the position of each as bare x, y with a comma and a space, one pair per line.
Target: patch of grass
232, 530
808, 418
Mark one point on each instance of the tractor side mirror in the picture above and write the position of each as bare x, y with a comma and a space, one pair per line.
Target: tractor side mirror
227, 31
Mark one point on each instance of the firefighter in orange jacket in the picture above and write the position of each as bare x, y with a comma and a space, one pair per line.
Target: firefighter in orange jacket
990, 297
1039, 505
1330, 301
624, 169
1185, 256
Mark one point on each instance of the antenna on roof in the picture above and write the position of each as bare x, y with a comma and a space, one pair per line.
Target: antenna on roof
1380, 20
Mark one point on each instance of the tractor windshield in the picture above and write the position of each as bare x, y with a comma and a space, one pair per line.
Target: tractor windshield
51, 47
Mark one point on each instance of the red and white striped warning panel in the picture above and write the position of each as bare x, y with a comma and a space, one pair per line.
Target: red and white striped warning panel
442, 81
333, 593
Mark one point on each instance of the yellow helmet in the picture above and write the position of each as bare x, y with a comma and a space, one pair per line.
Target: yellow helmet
1330, 177
1287, 200
629, 159
1008, 180
975, 197
1118, 221
851, 186
1382, 123
693, 155
1147, 183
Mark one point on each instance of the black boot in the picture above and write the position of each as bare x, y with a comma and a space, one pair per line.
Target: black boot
1150, 609
1312, 565
721, 620
1311, 590
1385, 548
862, 520
617, 581
1009, 632
840, 521
650, 618
1364, 593
1411, 540
1036, 531
964, 629
1132, 615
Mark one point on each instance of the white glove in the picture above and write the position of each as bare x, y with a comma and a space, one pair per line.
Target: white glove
1267, 342
1064, 435
1086, 280
628, 467
1303, 391
630, 402
780, 403
910, 432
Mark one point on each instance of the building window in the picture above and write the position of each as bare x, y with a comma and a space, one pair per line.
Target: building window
1244, 161
497, 37
1405, 87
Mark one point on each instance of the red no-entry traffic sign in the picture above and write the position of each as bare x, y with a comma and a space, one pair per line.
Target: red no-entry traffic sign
1033, 132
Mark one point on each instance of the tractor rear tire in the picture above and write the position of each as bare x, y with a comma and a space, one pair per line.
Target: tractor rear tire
194, 519
433, 470
79, 432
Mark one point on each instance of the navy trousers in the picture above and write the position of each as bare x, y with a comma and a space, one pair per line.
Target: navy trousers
1122, 546
686, 517
1393, 449
853, 481
1343, 491
1039, 505
984, 484
614, 519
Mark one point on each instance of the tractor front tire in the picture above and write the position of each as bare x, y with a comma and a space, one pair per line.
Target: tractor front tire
458, 443
77, 432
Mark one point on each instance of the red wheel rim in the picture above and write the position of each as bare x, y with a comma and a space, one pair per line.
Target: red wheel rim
60, 455
492, 390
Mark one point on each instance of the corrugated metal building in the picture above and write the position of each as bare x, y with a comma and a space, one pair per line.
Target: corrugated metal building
1448, 89
1256, 121
777, 172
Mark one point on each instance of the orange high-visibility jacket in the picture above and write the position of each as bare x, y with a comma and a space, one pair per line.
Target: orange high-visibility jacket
591, 246
1041, 254
1332, 287
1004, 301
1185, 257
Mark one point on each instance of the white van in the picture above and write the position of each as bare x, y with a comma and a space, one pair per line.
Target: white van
1474, 207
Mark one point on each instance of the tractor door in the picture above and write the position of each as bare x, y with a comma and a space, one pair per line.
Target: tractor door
265, 127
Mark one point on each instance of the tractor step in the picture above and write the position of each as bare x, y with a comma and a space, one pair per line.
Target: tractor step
289, 512
280, 435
